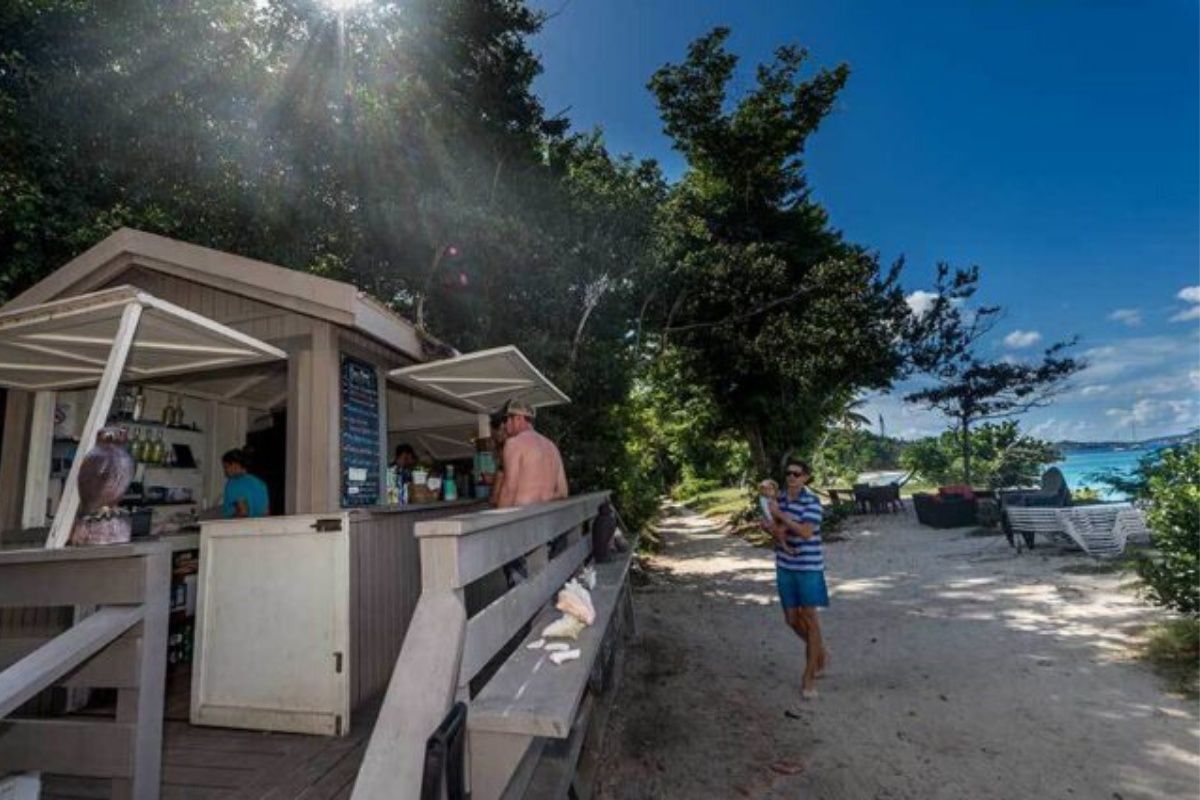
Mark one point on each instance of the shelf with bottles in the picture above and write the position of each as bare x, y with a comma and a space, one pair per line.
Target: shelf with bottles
140, 503
143, 423
129, 406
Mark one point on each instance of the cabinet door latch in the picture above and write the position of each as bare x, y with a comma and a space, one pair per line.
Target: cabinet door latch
337, 663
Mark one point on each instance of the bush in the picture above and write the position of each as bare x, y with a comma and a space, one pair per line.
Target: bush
1174, 647
835, 516
1172, 575
1000, 456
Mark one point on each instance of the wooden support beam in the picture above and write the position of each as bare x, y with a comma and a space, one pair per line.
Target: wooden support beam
37, 466
68, 506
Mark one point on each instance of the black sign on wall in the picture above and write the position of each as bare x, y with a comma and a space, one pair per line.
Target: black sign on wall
360, 433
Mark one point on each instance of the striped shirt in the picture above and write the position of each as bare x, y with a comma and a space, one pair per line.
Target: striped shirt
808, 557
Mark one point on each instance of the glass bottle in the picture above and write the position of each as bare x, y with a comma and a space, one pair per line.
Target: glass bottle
135, 445
449, 486
168, 412
160, 449
139, 405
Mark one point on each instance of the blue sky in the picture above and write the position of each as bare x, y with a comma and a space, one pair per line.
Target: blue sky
1053, 143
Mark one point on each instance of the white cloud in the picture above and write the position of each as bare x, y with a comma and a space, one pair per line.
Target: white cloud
920, 301
1130, 316
1094, 389
1151, 412
1188, 294
1019, 338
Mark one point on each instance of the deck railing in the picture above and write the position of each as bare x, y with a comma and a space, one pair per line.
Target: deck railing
443, 649
121, 645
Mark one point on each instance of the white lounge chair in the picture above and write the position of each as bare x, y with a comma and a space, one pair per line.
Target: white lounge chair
1131, 526
1092, 529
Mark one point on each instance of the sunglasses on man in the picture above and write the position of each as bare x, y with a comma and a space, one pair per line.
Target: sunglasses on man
794, 473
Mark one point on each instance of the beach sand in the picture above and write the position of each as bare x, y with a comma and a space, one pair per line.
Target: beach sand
959, 669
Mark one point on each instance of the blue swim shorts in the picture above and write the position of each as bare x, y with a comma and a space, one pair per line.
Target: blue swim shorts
801, 588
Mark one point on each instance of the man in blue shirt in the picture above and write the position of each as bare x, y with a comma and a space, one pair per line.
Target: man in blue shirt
245, 494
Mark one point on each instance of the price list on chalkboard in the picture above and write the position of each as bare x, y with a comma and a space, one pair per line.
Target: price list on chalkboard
360, 433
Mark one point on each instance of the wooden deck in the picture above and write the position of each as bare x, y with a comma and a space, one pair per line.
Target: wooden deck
203, 763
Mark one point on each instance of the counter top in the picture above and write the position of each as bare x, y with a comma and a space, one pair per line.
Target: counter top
461, 504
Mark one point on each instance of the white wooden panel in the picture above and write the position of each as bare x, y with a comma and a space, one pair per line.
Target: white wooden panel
37, 474
272, 625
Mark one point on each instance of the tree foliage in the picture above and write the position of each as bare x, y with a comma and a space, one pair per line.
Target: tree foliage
1001, 456
757, 299
400, 148
943, 342
1172, 575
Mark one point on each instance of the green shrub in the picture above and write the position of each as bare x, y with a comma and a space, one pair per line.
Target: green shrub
1174, 647
835, 516
1172, 574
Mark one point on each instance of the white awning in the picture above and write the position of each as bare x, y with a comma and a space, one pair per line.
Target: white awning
481, 381
65, 344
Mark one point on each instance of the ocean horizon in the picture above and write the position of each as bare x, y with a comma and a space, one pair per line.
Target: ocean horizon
1079, 466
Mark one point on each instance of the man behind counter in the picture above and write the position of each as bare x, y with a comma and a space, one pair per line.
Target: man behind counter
245, 494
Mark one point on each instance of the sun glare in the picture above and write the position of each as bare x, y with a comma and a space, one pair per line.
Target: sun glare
342, 6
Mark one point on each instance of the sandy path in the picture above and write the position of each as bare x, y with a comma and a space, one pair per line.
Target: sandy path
959, 670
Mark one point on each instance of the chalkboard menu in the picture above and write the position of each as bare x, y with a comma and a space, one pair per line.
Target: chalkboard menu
360, 433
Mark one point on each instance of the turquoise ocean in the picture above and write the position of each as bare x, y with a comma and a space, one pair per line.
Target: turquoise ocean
1077, 467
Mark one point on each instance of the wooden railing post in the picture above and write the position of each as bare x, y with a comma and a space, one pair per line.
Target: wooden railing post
143, 706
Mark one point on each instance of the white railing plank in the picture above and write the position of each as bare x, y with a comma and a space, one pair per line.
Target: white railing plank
458, 550
50, 662
491, 628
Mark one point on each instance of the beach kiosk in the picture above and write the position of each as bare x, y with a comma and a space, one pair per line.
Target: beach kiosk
287, 622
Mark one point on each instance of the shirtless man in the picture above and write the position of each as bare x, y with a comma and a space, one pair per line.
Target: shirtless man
533, 467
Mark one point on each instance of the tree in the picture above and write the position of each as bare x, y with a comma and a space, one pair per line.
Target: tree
1001, 456
943, 343
757, 299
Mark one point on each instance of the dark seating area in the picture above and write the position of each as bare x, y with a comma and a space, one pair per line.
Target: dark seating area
877, 499
946, 511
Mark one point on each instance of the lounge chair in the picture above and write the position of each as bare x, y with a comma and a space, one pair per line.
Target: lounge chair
1131, 526
1093, 529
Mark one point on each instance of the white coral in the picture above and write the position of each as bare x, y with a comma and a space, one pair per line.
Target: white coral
577, 601
565, 627
565, 655
587, 576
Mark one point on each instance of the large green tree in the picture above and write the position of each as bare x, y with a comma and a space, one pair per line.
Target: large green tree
761, 302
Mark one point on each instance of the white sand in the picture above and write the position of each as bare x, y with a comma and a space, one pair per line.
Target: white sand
959, 670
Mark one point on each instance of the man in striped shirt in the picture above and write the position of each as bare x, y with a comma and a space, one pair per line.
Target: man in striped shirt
800, 567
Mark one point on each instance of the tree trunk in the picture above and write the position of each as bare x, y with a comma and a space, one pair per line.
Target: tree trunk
965, 428
758, 450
